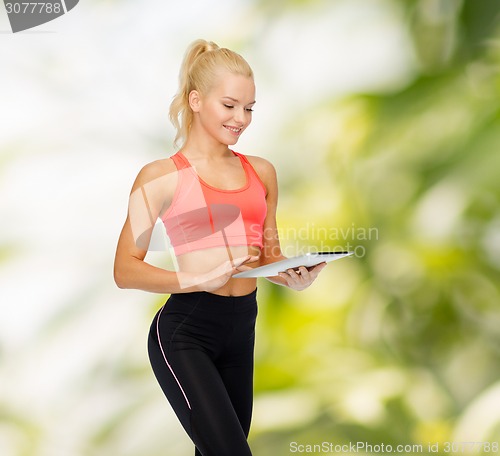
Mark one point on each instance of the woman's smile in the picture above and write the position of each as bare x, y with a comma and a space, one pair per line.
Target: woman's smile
234, 130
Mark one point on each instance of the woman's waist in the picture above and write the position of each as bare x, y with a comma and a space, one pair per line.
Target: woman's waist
211, 263
212, 302
206, 260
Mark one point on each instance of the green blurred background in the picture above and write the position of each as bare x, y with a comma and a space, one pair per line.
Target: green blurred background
382, 119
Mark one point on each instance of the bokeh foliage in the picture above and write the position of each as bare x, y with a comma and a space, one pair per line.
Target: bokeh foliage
410, 350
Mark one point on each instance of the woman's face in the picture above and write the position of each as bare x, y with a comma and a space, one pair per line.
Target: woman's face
226, 111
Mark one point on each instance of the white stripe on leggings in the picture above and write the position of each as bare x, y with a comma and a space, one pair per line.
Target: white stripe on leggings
165, 358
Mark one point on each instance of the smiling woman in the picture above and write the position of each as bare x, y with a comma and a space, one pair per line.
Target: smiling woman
218, 109
216, 205
211, 62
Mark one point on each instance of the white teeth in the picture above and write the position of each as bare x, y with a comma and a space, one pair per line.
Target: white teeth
236, 130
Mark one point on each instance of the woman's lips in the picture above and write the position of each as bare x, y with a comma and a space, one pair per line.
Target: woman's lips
234, 130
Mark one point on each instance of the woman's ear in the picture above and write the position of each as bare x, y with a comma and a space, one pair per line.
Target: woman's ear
194, 100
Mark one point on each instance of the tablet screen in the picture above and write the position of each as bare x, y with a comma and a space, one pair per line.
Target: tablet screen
307, 260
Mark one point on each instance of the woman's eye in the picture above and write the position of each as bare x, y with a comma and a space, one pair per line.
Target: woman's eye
229, 106
249, 109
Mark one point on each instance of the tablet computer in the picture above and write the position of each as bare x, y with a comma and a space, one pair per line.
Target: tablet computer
307, 260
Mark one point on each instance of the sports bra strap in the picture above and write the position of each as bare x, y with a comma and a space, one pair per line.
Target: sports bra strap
252, 170
179, 161
241, 156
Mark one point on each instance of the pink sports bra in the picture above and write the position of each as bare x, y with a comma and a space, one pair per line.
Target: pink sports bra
201, 216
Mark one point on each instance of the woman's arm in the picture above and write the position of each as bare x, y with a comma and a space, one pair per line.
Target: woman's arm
150, 196
146, 200
271, 250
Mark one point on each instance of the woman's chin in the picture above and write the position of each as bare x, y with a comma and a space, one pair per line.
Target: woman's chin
231, 143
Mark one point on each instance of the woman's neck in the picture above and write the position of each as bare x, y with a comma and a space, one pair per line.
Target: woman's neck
193, 149
204, 146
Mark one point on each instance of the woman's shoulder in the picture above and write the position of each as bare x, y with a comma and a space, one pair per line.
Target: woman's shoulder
262, 166
265, 171
158, 170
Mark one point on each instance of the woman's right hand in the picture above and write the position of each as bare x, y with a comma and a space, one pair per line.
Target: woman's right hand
218, 277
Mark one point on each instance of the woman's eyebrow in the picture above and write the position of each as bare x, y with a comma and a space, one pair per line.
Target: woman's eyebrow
237, 101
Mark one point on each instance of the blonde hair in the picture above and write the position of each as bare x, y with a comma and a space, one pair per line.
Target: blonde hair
201, 66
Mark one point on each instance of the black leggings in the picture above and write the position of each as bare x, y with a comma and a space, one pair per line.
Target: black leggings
201, 349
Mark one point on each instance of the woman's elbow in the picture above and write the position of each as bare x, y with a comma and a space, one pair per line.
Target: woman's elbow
119, 281
120, 277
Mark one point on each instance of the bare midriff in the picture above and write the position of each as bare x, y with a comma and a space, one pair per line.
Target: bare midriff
206, 260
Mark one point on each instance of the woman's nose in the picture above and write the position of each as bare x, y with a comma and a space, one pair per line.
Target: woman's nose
239, 116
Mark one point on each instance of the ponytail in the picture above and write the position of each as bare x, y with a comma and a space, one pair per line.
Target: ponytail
198, 71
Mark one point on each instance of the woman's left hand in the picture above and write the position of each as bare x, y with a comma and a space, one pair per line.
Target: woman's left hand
301, 278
